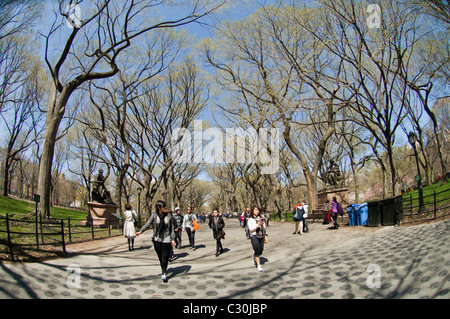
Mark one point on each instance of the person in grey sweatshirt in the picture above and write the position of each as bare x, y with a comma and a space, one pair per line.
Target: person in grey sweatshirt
164, 234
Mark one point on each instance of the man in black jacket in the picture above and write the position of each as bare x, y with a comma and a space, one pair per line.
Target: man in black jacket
217, 225
179, 227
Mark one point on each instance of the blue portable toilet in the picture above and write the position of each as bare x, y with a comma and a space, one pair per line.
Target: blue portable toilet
351, 215
362, 214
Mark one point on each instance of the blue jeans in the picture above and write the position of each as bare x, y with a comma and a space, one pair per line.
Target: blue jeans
191, 236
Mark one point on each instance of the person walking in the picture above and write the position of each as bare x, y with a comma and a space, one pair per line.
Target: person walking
297, 217
327, 211
335, 208
305, 216
188, 225
266, 215
256, 227
179, 227
241, 219
128, 226
246, 214
164, 235
217, 224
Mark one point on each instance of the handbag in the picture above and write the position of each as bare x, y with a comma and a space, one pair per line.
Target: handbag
196, 225
265, 239
223, 234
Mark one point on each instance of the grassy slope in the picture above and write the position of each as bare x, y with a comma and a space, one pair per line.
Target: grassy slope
441, 190
15, 206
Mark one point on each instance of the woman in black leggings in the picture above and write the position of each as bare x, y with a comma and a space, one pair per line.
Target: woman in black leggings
256, 227
164, 235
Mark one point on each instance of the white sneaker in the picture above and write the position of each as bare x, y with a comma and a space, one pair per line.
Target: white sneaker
260, 268
163, 277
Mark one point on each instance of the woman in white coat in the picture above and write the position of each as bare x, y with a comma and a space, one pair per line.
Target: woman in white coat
128, 226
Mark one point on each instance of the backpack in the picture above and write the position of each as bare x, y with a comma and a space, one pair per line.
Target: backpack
340, 210
298, 213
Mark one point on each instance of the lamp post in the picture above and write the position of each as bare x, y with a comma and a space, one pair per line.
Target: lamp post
412, 138
139, 189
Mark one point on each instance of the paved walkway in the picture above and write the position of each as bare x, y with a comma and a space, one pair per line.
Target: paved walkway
352, 262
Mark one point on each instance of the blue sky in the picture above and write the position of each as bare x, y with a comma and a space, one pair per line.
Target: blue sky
238, 10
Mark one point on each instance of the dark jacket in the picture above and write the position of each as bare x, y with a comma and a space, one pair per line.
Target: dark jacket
217, 227
178, 220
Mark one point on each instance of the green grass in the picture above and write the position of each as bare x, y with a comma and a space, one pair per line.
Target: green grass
14, 206
20, 207
23, 231
442, 194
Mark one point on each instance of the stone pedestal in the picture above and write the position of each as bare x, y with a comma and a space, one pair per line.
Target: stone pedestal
101, 215
341, 195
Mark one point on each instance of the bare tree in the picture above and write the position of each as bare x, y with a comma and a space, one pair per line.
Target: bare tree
227, 178
438, 9
176, 100
22, 120
274, 63
91, 52
17, 17
84, 161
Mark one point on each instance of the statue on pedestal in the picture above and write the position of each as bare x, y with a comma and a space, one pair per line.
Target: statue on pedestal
99, 192
334, 174
333, 182
102, 210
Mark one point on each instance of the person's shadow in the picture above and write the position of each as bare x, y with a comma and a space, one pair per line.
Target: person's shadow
180, 255
172, 272
263, 260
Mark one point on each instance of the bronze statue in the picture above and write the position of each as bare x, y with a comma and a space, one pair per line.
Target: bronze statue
331, 176
99, 192
334, 174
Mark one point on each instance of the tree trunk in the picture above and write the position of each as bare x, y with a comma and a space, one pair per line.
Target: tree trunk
311, 181
55, 113
6, 176
438, 141
119, 185
393, 170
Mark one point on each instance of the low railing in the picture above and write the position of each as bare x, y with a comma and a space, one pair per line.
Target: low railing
20, 236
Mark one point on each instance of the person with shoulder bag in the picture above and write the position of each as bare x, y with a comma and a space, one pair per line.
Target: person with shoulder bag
335, 208
188, 225
217, 224
298, 218
164, 235
128, 226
